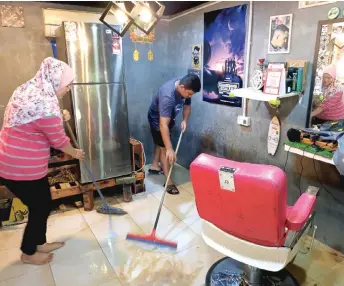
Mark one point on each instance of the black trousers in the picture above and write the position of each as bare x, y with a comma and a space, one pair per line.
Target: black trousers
37, 197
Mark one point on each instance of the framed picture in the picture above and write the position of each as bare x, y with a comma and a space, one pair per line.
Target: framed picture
196, 57
280, 34
273, 81
308, 4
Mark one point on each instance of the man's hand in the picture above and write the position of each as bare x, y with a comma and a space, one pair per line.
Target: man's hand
171, 156
65, 115
183, 126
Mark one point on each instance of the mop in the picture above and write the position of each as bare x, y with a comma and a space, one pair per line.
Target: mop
152, 238
105, 208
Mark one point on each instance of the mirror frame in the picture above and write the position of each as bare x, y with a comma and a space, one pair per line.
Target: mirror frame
314, 65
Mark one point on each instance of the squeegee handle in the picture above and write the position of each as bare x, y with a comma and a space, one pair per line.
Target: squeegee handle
166, 186
88, 169
71, 135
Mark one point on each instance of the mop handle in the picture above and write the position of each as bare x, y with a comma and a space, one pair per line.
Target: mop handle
71, 134
166, 186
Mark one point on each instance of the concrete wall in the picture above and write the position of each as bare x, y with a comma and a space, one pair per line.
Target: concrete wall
143, 80
23, 49
213, 128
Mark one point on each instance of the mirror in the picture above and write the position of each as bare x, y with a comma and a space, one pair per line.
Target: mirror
327, 97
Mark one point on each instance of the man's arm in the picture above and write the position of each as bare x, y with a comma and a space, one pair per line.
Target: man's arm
186, 112
165, 132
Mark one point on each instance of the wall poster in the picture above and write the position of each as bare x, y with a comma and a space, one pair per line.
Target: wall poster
196, 57
223, 58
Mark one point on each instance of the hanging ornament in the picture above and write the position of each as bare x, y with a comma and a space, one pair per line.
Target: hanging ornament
150, 55
257, 80
136, 55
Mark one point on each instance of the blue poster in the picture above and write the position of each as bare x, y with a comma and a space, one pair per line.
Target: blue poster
223, 58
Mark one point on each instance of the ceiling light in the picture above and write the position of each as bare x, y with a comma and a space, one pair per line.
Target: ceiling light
121, 10
146, 16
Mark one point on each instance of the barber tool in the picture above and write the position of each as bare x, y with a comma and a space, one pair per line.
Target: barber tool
294, 135
152, 238
105, 208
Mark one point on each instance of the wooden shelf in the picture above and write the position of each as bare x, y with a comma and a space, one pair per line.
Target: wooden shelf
308, 154
250, 93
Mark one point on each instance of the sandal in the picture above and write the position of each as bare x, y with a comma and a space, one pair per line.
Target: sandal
155, 172
172, 190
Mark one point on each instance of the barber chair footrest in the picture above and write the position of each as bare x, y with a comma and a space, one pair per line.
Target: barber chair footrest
228, 271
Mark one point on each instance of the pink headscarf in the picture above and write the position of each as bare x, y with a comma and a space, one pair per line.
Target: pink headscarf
332, 71
334, 87
37, 98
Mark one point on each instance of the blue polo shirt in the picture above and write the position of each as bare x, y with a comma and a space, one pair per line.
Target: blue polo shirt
166, 103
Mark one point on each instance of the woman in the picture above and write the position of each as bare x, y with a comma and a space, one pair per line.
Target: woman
330, 106
33, 123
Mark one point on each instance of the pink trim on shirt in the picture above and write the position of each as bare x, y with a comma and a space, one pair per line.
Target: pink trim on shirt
25, 149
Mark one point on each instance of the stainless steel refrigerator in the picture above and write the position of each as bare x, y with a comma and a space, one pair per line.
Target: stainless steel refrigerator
98, 99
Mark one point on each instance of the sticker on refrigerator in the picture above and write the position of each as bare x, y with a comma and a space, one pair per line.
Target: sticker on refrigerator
108, 31
114, 35
71, 31
116, 47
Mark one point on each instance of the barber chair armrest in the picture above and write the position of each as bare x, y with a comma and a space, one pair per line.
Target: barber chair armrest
300, 212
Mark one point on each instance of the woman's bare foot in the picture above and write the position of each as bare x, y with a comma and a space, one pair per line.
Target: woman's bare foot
39, 258
49, 247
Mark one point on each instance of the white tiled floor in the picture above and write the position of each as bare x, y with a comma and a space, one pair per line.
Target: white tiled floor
97, 254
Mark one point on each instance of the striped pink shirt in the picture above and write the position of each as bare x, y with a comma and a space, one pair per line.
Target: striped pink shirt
333, 107
25, 149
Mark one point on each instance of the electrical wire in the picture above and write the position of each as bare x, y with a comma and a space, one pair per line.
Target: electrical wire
144, 156
303, 155
318, 178
300, 176
286, 161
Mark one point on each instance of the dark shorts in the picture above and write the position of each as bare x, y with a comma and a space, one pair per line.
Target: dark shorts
157, 138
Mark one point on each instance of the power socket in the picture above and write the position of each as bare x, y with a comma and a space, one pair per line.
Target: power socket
244, 120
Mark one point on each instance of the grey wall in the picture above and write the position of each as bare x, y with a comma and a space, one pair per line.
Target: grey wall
143, 78
213, 128
23, 49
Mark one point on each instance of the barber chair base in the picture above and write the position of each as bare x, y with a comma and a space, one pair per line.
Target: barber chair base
229, 272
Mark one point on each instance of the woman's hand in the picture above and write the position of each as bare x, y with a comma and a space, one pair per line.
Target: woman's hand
65, 115
79, 154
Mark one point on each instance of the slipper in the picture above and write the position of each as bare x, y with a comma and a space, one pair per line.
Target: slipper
172, 190
155, 172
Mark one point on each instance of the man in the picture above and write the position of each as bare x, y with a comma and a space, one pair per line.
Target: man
167, 103
280, 38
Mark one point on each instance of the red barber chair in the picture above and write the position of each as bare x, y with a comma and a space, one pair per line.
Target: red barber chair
245, 216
